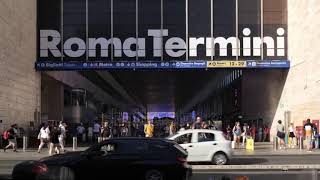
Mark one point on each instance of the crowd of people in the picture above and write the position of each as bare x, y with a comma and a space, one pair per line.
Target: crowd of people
54, 136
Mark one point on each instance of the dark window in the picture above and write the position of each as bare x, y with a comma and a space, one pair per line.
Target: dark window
184, 139
250, 19
124, 19
224, 25
49, 17
275, 17
199, 26
149, 18
157, 147
132, 147
74, 26
204, 137
174, 20
99, 26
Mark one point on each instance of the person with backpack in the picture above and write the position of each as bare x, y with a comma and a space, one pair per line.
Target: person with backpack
11, 136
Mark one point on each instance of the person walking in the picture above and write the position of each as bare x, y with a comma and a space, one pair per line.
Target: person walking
148, 129
291, 136
237, 133
63, 135
55, 140
245, 133
308, 133
281, 134
44, 136
12, 138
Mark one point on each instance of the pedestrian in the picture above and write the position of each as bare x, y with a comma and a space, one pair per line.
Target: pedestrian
197, 124
172, 128
260, 134
90, 134
11, 136
308, 133
105, 132
236, 133
266, 132
281, 134
96, 130
44, 136
245, 134
229, 132
291, 136
253, 131
55, 140
63, 135
81, 132
148, 129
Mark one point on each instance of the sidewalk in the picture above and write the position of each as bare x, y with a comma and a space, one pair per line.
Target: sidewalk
266, 149
261, 149
30, 154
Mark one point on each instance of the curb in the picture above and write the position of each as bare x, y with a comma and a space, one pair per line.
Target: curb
257, 167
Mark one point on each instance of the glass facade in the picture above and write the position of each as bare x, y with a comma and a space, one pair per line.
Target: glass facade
155, 30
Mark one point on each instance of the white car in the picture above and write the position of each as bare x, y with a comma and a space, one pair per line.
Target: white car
204, 145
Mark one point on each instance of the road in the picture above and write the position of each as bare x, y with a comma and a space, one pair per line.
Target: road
7, 165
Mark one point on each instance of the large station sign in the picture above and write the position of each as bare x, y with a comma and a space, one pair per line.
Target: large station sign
159, 34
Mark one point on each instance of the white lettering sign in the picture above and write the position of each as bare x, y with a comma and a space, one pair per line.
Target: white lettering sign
173, 47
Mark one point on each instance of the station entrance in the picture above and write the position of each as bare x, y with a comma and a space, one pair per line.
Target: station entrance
219, 96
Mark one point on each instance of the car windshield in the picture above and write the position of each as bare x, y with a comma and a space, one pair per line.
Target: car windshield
170, 136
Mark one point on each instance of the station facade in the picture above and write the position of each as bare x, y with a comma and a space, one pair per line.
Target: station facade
267, 47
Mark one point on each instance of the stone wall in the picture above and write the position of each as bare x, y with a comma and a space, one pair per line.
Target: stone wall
19, 83
301, 94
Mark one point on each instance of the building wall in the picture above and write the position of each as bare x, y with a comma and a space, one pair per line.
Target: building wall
19, 83
301, 94
52, 98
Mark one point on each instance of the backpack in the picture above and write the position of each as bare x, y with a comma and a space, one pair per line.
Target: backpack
6, 135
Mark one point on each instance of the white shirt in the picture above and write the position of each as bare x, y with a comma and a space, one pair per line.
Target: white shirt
291, 129
62, 130
44, 133
90, 131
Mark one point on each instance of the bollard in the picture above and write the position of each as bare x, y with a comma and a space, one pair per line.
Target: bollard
300, 142
275, 143
25, 143
74, 144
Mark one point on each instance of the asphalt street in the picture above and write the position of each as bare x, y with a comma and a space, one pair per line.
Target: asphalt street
7, 165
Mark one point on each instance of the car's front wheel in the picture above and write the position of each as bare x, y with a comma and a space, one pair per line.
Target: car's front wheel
154, 174
219, 159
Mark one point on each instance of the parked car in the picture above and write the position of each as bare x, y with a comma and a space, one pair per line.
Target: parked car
119, 158
204, 145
